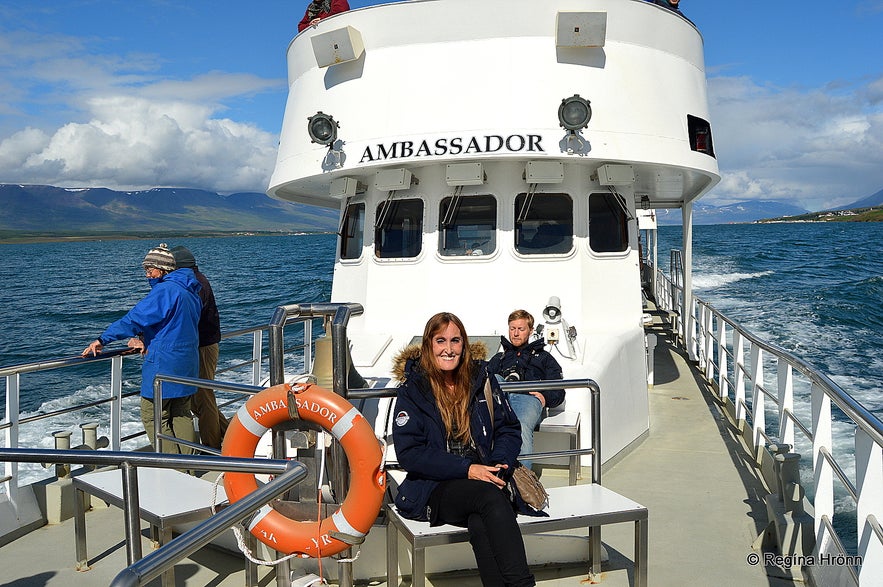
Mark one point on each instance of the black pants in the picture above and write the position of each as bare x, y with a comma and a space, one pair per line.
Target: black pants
493, 532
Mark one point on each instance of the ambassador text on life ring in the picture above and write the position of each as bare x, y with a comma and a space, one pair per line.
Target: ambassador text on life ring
367, 482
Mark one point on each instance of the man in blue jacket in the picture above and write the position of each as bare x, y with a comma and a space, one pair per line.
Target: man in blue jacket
166, 322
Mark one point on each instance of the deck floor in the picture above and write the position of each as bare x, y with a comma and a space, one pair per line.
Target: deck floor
706, 509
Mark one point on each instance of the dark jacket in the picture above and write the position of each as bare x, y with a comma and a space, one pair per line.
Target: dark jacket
421, 440
530, 362
209, 319
166, 319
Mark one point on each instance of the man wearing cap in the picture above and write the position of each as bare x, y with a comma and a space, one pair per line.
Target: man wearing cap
166, 322
212, 423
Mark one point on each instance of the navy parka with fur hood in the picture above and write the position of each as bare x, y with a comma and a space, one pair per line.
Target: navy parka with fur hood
421, 440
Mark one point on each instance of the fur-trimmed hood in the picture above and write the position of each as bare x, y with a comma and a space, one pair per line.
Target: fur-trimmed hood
408, 356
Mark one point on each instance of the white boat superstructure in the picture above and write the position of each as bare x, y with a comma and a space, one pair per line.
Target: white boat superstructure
460, 190
488, 156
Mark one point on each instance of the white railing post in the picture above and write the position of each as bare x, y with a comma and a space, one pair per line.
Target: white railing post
11, 435
709, 344
308, 346
650, 345
786, 401
256, 350
723, 387
823, 474
758, 412
739, 373
869, 486
116, 403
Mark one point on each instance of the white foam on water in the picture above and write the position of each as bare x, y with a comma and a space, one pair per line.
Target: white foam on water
705, 281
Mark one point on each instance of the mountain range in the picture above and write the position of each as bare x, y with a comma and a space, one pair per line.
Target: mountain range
48, 210
749, 211
754, 210
37, 210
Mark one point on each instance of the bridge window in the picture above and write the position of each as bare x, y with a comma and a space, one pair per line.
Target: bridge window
700, 135
352, 231
398, 229
608, 223
467, 226
543, 224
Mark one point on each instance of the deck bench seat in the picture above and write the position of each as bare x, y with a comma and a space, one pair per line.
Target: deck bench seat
575, 506
565, 422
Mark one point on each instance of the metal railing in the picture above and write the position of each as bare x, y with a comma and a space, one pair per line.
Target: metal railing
11, 427
797, 408
140, 571
336, 316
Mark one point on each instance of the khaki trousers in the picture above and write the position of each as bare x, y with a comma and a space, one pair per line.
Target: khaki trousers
177, 421
212, 423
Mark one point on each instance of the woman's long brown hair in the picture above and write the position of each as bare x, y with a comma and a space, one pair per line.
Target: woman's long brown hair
453, 404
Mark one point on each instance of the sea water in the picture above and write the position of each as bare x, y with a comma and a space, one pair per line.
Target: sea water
57, 297
813, 289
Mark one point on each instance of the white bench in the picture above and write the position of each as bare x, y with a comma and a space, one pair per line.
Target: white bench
576, 506
564, 422
166, 498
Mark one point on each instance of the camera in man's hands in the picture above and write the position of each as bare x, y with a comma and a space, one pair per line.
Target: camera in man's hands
511, 374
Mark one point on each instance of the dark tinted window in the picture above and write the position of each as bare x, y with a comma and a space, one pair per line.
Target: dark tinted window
543, 224
467, 226
352, 231
608, 224
398, 229
700, 135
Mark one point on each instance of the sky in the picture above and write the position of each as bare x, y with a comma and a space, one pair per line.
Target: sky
135, 94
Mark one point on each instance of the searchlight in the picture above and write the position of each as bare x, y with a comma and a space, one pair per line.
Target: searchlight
322, 128
574, 113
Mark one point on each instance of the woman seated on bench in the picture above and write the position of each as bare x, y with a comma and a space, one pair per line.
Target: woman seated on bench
455, 458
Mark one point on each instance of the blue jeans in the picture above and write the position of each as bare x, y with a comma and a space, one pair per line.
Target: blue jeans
529, 411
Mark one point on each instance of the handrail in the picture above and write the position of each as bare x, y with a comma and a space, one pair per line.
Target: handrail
290, 474
195, 382
850, 406
12, 373
156, 563
62, 362
714, 334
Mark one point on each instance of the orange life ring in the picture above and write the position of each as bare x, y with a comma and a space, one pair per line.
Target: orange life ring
367, 482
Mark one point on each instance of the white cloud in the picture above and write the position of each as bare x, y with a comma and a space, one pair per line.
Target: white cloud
816, 147
111, 121
136, 143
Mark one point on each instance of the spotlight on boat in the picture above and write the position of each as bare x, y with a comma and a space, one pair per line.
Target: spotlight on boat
322, 128
552, 311
574, 113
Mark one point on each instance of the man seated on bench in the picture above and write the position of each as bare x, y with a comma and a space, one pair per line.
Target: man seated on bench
522, 360
456, 458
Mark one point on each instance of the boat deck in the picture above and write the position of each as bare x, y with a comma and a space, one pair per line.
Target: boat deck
705, 503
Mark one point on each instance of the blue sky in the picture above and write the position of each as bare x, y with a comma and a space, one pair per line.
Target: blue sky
135, 94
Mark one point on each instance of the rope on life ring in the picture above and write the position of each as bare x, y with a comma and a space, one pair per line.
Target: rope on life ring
352, 521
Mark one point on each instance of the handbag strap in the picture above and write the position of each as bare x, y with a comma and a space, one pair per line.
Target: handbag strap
489, 399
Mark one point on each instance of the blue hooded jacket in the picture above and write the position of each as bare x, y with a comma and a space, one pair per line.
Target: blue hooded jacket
421, 440
167, 320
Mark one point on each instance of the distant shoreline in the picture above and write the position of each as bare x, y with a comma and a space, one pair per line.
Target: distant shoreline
10, 237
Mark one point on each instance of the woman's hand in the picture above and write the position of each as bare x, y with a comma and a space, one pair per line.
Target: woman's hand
488, 473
